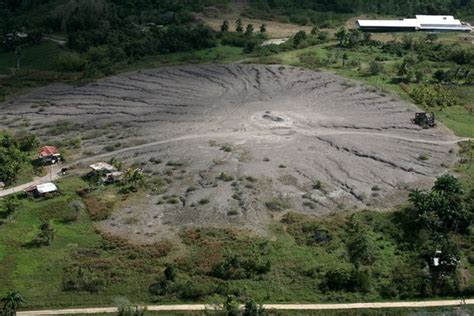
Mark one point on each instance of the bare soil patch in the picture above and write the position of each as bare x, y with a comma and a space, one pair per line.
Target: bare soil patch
239, 144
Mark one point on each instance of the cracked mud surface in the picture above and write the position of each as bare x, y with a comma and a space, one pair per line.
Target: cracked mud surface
315, 142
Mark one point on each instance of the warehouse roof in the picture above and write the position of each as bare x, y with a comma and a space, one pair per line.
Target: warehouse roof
420, 22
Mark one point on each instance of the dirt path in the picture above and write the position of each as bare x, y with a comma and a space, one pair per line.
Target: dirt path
202, 307
53, 173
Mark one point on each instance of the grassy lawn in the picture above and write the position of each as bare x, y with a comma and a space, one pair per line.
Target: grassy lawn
22, 266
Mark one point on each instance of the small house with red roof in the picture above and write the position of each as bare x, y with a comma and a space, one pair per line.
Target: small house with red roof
49, 155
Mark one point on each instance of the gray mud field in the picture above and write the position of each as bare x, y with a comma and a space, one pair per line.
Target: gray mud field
241, 144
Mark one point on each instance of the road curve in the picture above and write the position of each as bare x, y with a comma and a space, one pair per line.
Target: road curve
202, 307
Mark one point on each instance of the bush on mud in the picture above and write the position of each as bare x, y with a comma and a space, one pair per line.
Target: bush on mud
277, 204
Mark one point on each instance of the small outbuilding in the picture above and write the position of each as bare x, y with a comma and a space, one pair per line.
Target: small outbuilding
102, 167
41, 190
49, 155
106, 172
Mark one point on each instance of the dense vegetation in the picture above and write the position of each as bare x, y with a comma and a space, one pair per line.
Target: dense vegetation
362, 256
15, 154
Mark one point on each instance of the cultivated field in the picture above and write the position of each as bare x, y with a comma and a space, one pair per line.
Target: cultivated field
239, 144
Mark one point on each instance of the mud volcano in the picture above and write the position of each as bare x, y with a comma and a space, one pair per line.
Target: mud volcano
243, 143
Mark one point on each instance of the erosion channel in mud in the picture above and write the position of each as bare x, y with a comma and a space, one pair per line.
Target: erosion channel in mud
241, 144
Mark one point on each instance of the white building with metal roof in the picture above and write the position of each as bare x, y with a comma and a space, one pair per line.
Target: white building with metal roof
430, 23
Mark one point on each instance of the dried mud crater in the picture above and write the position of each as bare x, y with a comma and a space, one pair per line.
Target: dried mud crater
244, 141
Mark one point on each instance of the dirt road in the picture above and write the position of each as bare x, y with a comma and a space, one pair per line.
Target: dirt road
202, 307
53, 173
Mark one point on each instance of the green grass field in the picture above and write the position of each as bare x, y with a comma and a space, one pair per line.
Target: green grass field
298, 264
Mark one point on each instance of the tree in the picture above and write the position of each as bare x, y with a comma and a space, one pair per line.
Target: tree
11, 158
11, 204
354, 38
225, 26
239, 28
263, 28
71, 61
360, 246
375, 67
298, 38
251, 308
134, 177
76, 208
315, 31
231, 306
11, 302
249, 30
442, 209
170, 273
406, 69
345, 57
342, 36
19, 55
46, 234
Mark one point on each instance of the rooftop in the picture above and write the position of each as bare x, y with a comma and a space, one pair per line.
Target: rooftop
420, 22
100, 166
43, 188
46, 151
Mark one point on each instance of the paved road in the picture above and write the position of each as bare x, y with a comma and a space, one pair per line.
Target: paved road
53, 174
201, 307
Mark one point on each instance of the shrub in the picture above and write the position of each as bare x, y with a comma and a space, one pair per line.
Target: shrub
423, 157
433, 95
204, 201
98, 210
81, 279
337, 279
226, 147
277, 204
225, 177
375, 67
71, 62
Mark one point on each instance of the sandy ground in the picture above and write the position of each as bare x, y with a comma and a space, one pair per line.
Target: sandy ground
302, 140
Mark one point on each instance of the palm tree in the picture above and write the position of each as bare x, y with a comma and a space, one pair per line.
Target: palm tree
11, 302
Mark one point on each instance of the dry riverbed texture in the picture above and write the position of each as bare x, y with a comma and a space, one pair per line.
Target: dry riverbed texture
239, 144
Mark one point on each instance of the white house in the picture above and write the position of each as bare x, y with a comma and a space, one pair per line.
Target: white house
431, 23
